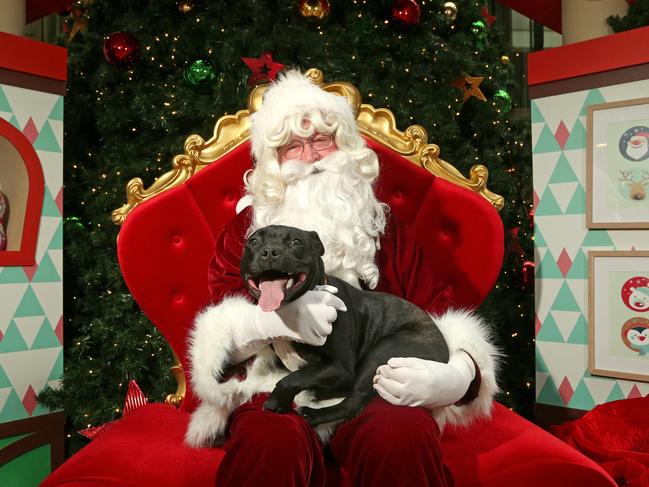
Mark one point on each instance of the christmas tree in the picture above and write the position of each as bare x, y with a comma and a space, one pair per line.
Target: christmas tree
145, 75
637, 16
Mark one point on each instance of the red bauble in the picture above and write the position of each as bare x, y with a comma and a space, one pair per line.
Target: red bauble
121, 48
527, 274
406, 12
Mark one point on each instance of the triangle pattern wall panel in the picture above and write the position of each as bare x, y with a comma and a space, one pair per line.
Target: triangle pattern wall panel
562, 242
31, 313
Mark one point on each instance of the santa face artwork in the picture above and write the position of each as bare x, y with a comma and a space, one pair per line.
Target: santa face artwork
634, 144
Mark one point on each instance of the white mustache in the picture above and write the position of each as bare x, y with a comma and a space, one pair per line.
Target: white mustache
294, 169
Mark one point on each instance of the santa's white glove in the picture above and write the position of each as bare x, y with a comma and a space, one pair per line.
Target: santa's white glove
307, 320
417, 382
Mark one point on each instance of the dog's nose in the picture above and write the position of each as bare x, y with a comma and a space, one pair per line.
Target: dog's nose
270, 252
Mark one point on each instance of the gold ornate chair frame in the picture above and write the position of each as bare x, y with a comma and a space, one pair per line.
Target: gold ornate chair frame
376, 123
232, 130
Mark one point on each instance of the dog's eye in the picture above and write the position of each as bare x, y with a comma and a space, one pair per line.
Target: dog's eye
253, 242
296, 242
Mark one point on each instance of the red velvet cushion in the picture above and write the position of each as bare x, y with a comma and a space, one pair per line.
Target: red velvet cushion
146, 449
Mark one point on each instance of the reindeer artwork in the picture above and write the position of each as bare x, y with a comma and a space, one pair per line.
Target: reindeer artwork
637, 187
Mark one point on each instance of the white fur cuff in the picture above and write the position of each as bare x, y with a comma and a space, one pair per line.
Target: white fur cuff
466, 331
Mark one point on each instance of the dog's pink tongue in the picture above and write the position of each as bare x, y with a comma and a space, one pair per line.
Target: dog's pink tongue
272, 293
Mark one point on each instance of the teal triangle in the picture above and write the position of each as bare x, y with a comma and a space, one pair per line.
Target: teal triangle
540, 363
29, 305
577, 205
539, 241
46, 271
57, 111
594, 98
563, 172
536, 113
49, 205
12, 275
549, 394
57, 240
549, 331
577, 139
579, 334
548, 205
57, 370
616, 394
13, 409
549, 268
582, 399
579, 267
46, 140
597, 238
12, 341
547, 142
46, 338
4, 380
5, 106
565, 301
14, 121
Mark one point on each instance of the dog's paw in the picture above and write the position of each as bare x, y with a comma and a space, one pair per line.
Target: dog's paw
311, 415
274, 405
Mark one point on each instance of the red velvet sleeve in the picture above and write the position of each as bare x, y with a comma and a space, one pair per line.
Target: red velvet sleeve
223, 277
406, 271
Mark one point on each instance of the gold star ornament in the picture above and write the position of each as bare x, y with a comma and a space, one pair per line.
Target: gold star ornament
470, 85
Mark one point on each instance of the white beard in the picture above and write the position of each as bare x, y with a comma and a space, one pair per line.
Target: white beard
331, 198
639, 151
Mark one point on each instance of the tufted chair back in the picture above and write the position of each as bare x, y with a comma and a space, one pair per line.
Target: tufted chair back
166, 243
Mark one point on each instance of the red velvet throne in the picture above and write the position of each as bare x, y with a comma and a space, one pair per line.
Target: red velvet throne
164, 248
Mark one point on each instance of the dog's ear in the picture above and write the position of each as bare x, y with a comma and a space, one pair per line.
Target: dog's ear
317, 243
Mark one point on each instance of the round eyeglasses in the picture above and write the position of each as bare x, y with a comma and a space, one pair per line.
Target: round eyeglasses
318, 142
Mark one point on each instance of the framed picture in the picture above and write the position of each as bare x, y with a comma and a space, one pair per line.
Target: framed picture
618, 164
618, 314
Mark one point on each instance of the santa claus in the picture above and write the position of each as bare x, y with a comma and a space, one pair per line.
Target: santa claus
637, 147
314, 171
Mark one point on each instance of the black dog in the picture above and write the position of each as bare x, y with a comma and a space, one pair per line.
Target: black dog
279, 264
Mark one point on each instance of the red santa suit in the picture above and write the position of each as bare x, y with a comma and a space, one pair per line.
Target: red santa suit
384, 442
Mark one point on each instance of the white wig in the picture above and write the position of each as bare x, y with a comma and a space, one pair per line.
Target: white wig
289, 101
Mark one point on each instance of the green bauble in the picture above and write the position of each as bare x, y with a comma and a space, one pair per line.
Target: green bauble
504, 100
199, 72
74, 222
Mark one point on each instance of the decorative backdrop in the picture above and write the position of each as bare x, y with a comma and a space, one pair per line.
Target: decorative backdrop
31, 304
562, 242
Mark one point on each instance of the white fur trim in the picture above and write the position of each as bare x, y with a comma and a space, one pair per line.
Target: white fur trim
292, 94
210, 346
464, 330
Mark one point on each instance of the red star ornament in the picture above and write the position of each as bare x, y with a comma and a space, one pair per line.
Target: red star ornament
135, 398
263, 69
488, 18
